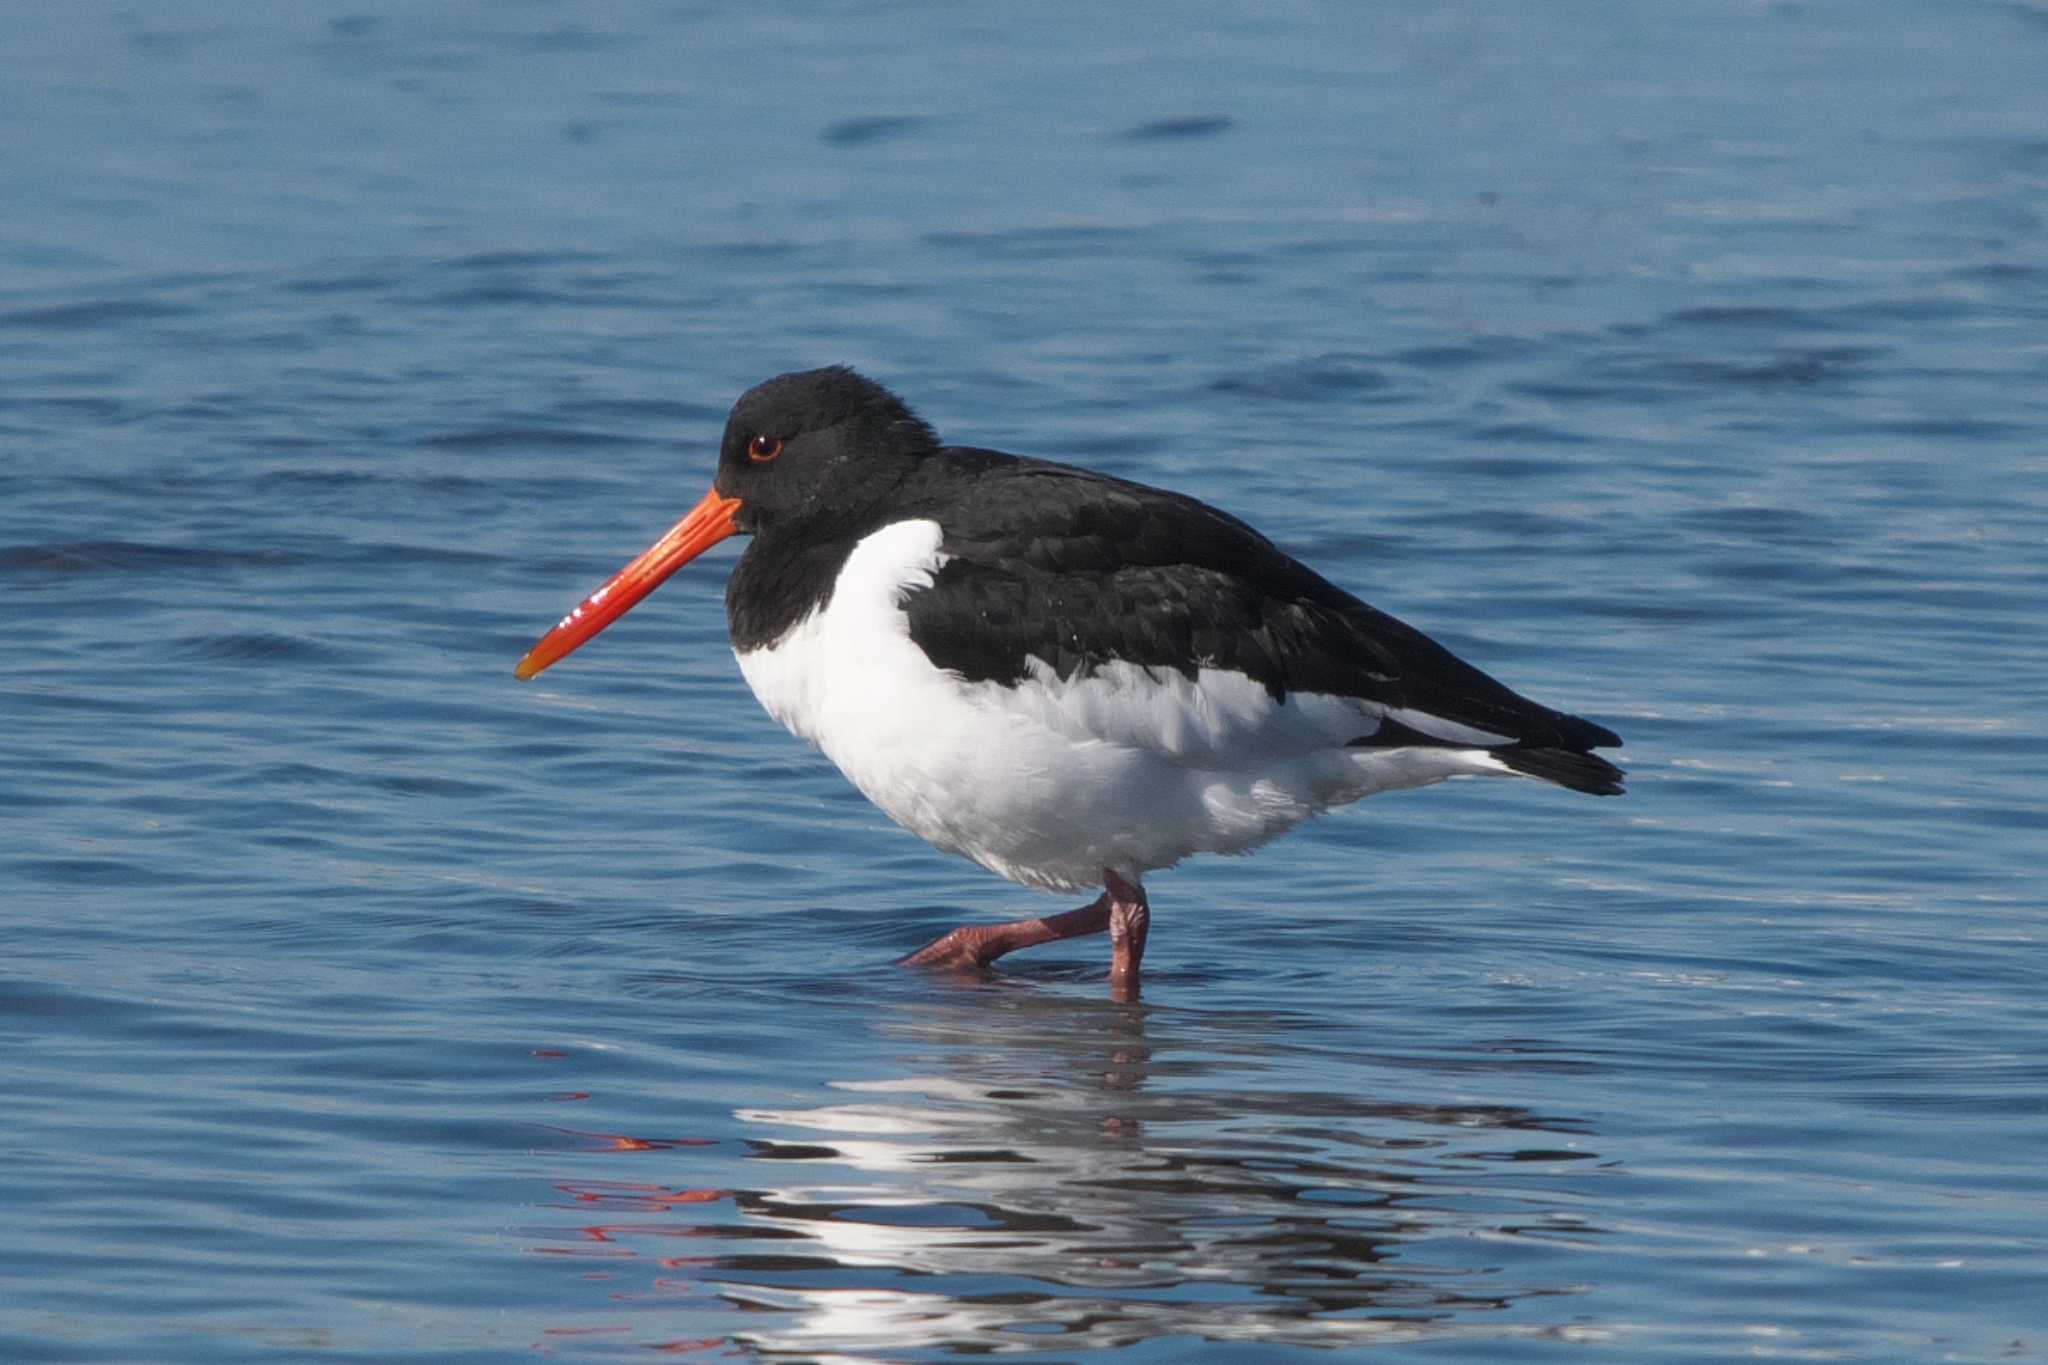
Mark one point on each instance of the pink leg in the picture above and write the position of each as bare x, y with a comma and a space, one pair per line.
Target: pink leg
1130, 917
1121, 909
977, 945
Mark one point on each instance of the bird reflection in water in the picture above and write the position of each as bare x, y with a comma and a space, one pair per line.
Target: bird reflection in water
1065, 1172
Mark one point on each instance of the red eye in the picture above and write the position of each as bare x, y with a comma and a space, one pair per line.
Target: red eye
764, 448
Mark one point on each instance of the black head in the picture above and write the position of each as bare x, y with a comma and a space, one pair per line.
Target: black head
808, 450
816, 443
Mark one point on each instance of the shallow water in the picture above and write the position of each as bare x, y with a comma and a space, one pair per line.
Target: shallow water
1683, 365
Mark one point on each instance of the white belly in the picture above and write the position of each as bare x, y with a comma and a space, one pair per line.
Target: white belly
1051, 782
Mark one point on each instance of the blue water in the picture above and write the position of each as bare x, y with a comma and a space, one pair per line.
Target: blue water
1683, 364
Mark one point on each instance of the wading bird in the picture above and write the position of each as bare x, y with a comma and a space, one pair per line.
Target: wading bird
1070, 678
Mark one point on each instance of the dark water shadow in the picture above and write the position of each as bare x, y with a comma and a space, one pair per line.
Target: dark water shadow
1032, 1170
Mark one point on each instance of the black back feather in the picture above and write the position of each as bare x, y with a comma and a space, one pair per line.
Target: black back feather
1079, 569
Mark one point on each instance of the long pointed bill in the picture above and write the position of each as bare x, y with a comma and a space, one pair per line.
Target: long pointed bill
709, 522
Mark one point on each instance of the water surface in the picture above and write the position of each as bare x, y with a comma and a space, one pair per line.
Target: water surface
1680, 364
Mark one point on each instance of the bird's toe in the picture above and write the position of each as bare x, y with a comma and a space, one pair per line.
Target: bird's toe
965, 949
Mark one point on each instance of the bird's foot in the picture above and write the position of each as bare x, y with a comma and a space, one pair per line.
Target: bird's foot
1121, 909
965, 949
972, 947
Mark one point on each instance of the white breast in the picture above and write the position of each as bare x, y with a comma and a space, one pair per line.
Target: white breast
1049, 782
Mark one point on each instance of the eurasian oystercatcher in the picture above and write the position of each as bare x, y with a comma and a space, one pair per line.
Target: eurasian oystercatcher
1070, 678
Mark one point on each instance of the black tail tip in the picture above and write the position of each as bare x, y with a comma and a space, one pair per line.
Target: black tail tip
1582, 772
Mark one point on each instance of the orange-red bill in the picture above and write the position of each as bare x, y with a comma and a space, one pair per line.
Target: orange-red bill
709, 522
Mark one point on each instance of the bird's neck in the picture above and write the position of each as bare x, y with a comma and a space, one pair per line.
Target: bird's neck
784, 574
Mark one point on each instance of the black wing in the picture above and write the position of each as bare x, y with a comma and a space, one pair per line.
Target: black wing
1078, 569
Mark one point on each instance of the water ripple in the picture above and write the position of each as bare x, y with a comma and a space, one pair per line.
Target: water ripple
1182, 127
91, 314
871, 128
127, 556
361, 1002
